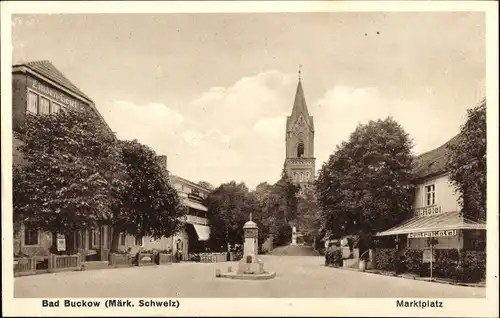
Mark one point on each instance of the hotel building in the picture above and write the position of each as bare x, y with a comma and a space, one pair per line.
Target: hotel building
38, 87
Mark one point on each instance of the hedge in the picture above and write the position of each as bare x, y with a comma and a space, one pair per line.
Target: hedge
413, 260
472, 266
385, 259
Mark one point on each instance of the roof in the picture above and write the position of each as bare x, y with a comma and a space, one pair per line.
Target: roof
433, 162
439, 222
47, 69
174, 178
300, 107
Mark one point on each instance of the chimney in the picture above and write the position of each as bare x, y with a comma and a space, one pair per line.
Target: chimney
162, 160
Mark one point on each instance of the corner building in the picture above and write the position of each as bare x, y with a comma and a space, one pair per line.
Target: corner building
38, 87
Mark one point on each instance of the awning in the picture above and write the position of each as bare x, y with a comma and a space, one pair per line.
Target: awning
194, 205
202, 231
438, 222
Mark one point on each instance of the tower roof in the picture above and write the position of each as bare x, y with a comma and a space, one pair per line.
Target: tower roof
300, 108
299, 105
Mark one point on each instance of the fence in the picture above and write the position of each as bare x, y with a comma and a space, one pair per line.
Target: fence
24, 266
59, 263
144, 259
117, 260
164, 259
210, 257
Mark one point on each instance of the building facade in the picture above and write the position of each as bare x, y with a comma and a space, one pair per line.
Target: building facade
437, 210
38, 87
300, 164
195, 231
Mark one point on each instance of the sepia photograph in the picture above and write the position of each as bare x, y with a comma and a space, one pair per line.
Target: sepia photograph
170, 155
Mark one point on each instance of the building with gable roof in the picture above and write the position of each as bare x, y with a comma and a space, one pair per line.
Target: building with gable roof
38, 87
437, 211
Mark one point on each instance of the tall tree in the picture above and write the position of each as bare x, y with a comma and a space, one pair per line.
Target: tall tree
230, 206
309, 212
366, 184
467, 163
71, 169
288, 193
149, 205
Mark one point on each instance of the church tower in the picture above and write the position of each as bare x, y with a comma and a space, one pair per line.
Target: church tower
300, 161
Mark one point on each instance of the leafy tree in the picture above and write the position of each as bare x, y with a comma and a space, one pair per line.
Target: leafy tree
288, 193
149, 205
309, 212
277, 206
366, 184
230, 206
467, 163
70, 172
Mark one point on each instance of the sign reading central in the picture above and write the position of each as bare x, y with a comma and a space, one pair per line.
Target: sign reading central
433, 234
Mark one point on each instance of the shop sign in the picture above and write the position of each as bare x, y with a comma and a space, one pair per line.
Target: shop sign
53, 94
428, 211
61, 243
428, 256
433, 234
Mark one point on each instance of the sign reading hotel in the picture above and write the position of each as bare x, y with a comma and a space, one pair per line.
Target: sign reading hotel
53, 94
428, 211
433, 234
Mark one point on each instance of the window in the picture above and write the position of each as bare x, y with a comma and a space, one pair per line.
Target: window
300, 150
122, 238
139, 240
44, 106
430, 194
55, 107
32, 106
30, 236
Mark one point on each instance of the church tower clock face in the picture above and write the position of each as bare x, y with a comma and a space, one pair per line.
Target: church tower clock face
300, 161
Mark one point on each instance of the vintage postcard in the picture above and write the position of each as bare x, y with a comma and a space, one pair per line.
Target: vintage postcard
272, 158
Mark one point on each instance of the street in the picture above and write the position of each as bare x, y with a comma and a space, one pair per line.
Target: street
296, 276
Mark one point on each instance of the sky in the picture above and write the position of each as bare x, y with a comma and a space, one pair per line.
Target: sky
212, 91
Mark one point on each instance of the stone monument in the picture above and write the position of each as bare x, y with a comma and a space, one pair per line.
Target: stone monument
294, 235
250, 266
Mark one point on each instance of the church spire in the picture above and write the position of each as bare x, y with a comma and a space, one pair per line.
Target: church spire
299, 105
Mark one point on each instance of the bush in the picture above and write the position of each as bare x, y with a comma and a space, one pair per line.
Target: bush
238, 254
474, 266
413, 260
445, 263
333, 256
385, 259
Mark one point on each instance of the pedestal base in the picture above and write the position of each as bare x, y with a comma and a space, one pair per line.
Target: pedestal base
262, 276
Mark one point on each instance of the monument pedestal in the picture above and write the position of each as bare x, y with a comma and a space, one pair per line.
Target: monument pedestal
250, 266
294, 236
